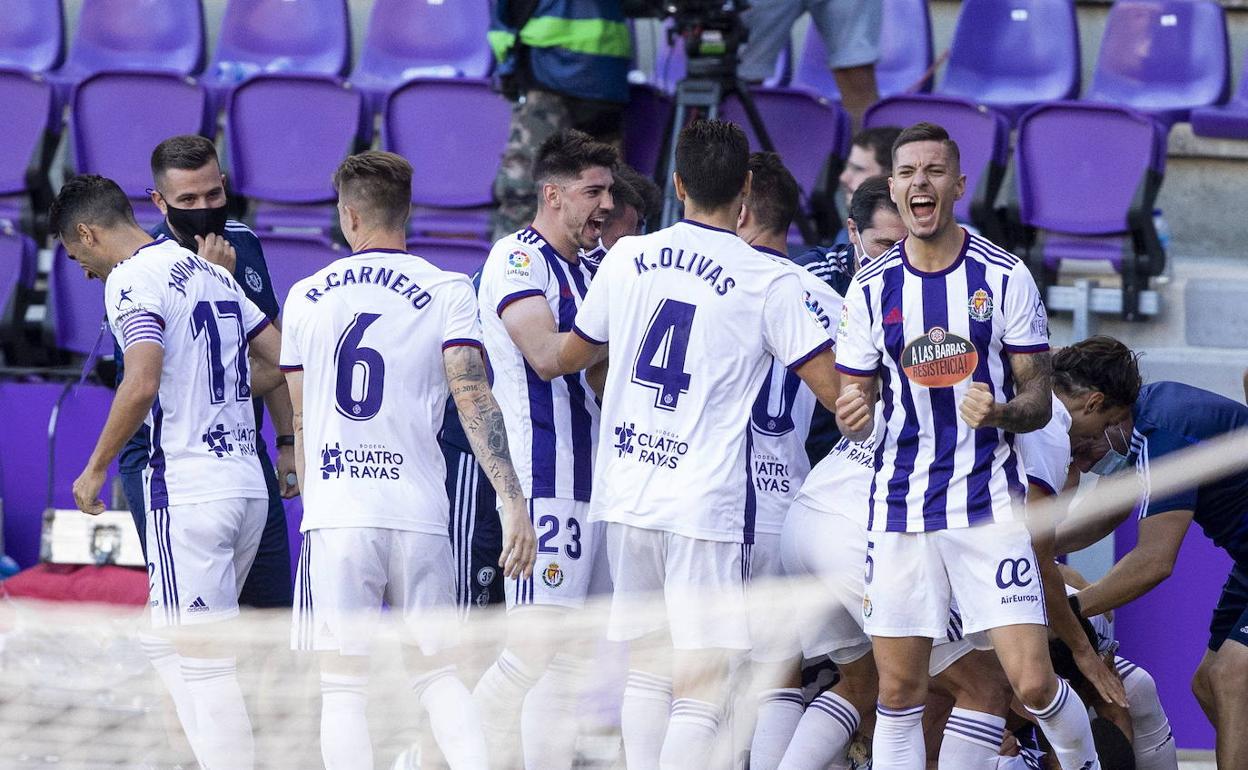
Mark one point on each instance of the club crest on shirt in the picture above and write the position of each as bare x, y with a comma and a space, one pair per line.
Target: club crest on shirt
552, 576
939, 359
979, 305
519, 264
254, 282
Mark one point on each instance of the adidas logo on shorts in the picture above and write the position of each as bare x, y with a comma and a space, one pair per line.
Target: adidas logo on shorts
199, 605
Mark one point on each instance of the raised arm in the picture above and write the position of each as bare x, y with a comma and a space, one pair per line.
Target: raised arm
1032, 405
855, 406
483, 423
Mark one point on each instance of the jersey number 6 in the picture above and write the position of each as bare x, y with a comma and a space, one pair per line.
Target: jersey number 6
361, 372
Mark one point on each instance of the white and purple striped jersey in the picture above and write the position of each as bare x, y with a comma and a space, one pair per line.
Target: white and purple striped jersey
928, 336
693, 316
780, 417
552, 427
1046, 452
368, 332
202, 425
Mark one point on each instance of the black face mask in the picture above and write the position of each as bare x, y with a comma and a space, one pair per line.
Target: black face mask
188, 223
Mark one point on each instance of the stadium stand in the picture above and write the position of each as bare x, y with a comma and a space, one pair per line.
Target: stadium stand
32, 37
1229, 121
287, 172
118, 117
16, 256
905, 55
425, 122
75, 308
1163, 57
1012, 56
457, 255
1088, 177
291, 259
983, 137
24, 124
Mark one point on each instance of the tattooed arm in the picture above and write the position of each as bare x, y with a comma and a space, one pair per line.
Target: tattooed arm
1032, 405
483, 423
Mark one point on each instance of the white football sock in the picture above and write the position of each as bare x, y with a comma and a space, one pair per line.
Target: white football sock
779, 712
453, 719
972, 740
822, 737
168, 664
646, 708
551, 715
1065, 723
499, 696
224, 738
1154, 741
690, 734
898, 740
345, 743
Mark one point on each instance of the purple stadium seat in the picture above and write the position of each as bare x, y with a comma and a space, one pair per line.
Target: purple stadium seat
905, 54
805, 129
1163, 57
646, 120
1088, 175
24, 409
305, 36
75, 306
292, 259
14, 251
79, 417
456, 255
453, 132
149, 35
1229, 121
27, 101
983, 138
32, 37
1012, 56
118, 117
407, 40
287, 134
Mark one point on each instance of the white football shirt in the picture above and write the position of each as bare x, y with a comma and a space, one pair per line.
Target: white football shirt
928, 336
203, 427
1046, 452
552, 427
369, 332
841, 482
693, 316
781, 415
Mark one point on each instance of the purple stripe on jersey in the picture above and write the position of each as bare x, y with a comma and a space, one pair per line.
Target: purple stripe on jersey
1041, 483
581, 422
979, 482
821, 347
517, 295
858, 372
1041, 348
157, 489
578, 278
586, 337
295, 368
460, 342
908, 439
751, 501
251, 335
944, 415
542, 418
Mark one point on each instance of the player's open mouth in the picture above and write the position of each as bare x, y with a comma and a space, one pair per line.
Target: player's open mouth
923, 207
593, 226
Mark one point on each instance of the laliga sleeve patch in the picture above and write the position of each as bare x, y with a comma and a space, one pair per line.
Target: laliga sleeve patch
519, 264
939, 359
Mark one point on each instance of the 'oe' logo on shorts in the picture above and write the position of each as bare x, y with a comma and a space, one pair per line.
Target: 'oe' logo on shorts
1013, 572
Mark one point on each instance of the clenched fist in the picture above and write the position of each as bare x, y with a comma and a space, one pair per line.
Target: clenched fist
853, 413
978, 407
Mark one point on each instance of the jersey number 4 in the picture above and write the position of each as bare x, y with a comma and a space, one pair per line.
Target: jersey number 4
361, 372
660, 363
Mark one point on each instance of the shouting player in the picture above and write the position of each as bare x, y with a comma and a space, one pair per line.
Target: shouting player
694, 317
373, 343
947, 326
186, 330
531, 286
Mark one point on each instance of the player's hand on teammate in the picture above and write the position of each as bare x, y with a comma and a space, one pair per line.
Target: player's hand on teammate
217, 250
978, 407
852, 410
287, 477
87, 491
519, 542
1100, 672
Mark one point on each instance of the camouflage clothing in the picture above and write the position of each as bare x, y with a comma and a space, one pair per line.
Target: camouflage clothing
534, 118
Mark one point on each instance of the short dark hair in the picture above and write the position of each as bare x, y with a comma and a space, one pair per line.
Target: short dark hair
713, 159
871, 196
1099, 363
89, 199
379, 183
879, 141
187, 152
927, 132
568, 153
638, 191
774, 194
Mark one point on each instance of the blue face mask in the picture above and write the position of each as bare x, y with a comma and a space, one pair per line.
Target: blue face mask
1112, 462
